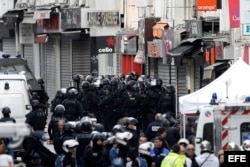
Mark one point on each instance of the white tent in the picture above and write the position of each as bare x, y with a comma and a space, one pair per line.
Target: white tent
232, 84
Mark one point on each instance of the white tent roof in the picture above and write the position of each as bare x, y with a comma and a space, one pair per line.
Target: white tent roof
238, 79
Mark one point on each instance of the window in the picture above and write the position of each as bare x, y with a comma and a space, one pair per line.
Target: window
208, 133
245, 131
210, 28
110, 64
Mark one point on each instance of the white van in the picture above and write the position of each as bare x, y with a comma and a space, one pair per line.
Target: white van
223, 123
14, 93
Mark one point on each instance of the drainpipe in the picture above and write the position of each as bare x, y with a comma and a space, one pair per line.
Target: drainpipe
17, 38
125, 12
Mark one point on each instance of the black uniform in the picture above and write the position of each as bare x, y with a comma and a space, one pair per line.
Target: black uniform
73, 109
37, 119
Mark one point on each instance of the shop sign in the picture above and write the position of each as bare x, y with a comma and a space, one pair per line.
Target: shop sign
246, 29
156, 48
234, 13
206, 5
105, 44
48, 25
71, 18
26, 33
244, 11
218, 50
110, 18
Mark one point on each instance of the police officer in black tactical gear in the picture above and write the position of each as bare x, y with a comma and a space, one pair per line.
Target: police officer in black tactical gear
166, 103
83, 137
131, 126
83, 96
58, 114
6, 118
131, 97
6, 115
43, 96
37, 117
107, 108
58, 99
73, 108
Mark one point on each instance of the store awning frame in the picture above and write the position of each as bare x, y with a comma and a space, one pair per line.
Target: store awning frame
42, 14
13, 16
29, 20
71, 34
158, 28
208, 71
41, 38
190, 45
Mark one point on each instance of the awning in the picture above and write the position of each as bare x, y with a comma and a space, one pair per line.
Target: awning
208, 71
42, 14
12, 16
181, 50
43, 38
157, 29
29, 20
71, 34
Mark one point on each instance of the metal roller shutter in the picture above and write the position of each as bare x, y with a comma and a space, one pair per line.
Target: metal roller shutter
50, 70
163, 73
181, 80
81, 56
118, 63
197, 73
9, 46
28, 55
151, 67
65, 62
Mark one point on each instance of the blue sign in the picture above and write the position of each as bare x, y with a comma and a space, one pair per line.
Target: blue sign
246, 29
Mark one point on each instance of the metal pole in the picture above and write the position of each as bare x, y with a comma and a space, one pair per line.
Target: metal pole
17, 37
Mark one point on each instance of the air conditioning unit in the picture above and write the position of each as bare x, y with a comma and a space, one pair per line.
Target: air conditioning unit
82, 2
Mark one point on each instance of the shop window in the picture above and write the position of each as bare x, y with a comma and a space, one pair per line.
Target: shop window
210, 28
245, 131
110, 64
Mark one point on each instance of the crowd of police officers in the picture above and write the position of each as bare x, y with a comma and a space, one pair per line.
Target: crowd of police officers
115, 109
110, 98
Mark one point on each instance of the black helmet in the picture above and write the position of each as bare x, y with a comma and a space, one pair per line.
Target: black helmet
86, 126
67, 127
40, 80
89, 78
132, 121
105, 81
159, 82
59, 110
76, 78
98, 135
35, 103
78, 127
6, 110
72, 92
117, 128
85, 85
113, 82
99, 128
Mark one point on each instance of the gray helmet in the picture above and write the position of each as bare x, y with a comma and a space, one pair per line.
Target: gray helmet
232, 146
206, 146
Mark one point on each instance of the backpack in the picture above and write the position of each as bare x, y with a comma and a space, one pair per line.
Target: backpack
141, 162
59, 161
